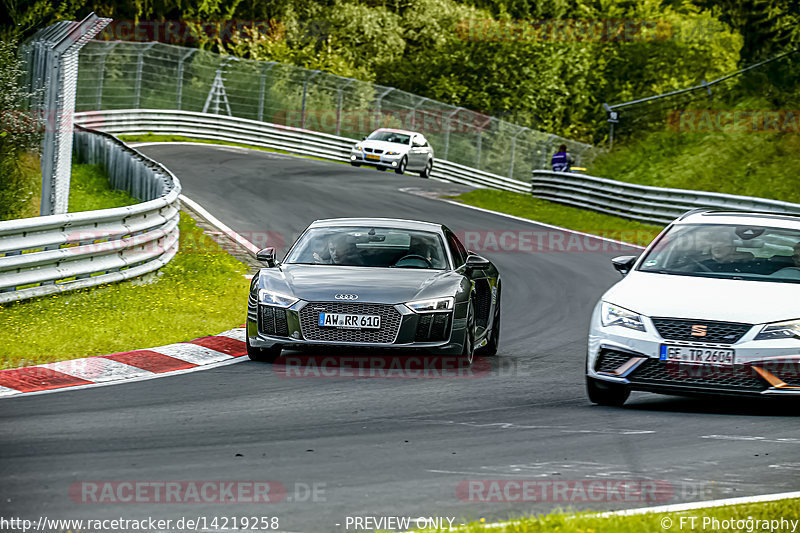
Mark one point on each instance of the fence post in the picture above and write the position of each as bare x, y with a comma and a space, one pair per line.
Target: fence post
340, 90
305, 92
378, 102
447, 131
414, 112
138, 87
102, 77
262, 89
513, 150
181, 61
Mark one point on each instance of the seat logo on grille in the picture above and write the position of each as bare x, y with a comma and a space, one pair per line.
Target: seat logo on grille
699, 330
346, 297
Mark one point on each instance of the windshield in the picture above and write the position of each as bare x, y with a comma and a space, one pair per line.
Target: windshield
389, 137
723, 251
370, 247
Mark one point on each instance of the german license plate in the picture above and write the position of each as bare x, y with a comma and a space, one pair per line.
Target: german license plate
696, 354
342, 320
373, 157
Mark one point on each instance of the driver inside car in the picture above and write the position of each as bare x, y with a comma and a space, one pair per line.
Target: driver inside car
725, 257
422, 247
343, 251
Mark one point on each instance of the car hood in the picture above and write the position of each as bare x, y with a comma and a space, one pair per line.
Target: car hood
375, 285
385, 146
728, 300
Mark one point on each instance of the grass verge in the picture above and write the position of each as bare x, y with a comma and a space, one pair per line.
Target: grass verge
200, 292
526, 206
706, 519
152, 137
750, 163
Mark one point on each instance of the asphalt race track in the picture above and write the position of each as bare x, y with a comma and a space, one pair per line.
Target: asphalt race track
387, 446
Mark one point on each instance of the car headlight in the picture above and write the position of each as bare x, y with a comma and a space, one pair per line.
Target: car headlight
392, 153
780, 330
613, 315
275, 298
357, 148
433, 305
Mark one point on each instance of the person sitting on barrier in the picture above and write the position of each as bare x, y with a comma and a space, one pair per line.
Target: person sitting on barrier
562, 160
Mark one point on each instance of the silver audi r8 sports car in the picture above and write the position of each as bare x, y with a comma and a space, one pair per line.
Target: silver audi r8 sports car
375, 282
712, 306
399, 150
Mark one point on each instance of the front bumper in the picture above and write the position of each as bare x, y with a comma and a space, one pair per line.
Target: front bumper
625, 356
383, 160
292, 328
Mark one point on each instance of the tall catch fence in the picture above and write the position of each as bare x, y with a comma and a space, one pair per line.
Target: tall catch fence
132, 75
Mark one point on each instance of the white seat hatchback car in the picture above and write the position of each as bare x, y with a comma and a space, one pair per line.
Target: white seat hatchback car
712, 306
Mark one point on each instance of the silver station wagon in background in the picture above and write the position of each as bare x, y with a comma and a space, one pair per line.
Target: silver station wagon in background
399, 150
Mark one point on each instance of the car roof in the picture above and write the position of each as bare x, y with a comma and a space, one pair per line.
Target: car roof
398, 223
393, 130
734, 217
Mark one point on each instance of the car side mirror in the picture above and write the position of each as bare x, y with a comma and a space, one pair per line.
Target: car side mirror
624, 263
267, 256
476, 262
364, 138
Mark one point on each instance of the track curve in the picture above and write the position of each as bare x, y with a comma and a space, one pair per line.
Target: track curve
396, 447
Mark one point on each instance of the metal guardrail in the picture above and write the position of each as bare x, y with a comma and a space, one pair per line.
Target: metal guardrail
51, 254
274, 136
638, 202
654, 205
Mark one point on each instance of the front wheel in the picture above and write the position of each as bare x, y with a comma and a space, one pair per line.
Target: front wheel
494, 336
263, 355
401, 166
604, 393
468, 352
426, 172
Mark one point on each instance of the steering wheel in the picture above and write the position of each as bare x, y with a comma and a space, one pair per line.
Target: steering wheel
701, 265
414, 256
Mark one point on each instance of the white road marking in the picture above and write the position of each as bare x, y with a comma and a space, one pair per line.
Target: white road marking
5, 391
219, 225
562, 429
779, 440
673, 508
97, 369
192, 353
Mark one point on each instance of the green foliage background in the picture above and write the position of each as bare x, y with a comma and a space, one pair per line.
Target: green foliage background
455, 51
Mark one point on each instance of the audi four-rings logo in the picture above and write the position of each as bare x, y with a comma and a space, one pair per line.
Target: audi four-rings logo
346, 296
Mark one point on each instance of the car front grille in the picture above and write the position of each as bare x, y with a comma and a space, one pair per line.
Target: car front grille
390, 323
611, 360
433, 327
656, 372
272, 321
681, 329
373, 150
